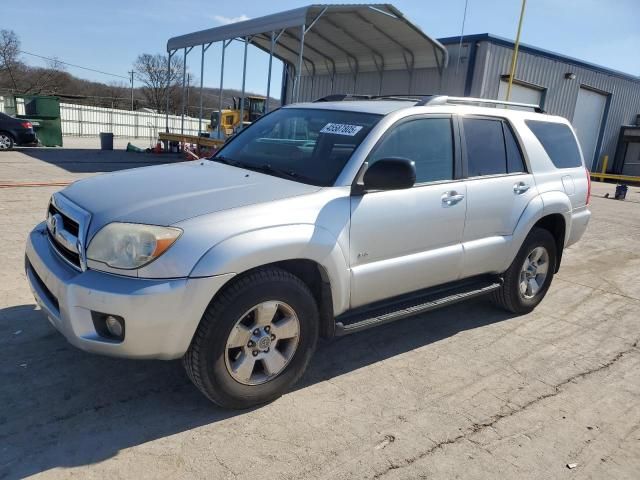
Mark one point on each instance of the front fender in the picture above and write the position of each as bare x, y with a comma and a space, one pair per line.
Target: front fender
252, 249
547, 203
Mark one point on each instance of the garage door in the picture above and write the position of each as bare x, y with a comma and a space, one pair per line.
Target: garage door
587, 120
520, 93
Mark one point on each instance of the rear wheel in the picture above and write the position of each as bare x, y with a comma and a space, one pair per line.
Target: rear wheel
528, 279
255, 339
6, 141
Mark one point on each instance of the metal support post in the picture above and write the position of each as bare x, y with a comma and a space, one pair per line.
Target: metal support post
296, 85
184, 92
244, 81
204, 49
166, 116
225, 44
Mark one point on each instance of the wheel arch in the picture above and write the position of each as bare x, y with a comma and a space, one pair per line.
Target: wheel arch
314, 276
311, 253
550, 210
555, 224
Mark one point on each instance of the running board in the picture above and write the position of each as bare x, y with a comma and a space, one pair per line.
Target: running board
356, 322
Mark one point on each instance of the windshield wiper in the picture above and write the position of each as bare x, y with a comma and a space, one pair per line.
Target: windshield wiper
279, 172
265, 168
226, 161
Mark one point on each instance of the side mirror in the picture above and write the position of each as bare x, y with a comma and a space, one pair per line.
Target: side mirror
394, 173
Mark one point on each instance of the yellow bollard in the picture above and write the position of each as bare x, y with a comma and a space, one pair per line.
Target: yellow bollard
605, 160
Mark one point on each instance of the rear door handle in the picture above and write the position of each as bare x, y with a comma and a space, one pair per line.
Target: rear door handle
520, 188
451, 198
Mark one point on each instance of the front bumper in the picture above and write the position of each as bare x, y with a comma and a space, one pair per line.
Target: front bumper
160, 315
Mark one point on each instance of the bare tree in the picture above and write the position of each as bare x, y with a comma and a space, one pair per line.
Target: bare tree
43, 80
158, 80
9, 51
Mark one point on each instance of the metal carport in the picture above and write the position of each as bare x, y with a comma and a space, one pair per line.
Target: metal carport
323, 40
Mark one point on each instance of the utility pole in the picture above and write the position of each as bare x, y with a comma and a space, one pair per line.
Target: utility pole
131, 78
514, 58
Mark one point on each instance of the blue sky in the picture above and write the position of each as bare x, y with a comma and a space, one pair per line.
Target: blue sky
108, 35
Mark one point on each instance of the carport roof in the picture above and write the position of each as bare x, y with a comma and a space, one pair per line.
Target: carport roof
337, 39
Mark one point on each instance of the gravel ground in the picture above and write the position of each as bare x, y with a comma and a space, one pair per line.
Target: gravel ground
465, 392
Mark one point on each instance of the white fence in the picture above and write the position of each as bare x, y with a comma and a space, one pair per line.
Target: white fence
83, 120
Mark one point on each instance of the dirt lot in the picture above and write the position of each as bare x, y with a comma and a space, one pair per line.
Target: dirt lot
466, 392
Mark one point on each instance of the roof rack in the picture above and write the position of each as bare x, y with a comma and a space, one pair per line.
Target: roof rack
341, 97
433, 100
430, 100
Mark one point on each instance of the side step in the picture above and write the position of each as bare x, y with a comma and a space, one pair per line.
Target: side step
362, 319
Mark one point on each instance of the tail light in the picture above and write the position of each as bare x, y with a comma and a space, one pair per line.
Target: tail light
27, 124
588, 186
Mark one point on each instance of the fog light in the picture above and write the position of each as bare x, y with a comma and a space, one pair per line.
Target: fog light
114, 326
108, 326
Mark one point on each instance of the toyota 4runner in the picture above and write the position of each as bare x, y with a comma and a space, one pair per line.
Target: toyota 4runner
319, 219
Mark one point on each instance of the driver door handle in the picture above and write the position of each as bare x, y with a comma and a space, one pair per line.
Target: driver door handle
451, 198
520, 188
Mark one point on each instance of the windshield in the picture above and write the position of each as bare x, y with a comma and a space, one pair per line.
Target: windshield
257, 105
215, 119
308, 145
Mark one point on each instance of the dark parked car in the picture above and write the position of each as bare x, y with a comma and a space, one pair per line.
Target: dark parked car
15, 131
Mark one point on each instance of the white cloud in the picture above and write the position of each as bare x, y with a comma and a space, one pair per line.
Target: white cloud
227, 20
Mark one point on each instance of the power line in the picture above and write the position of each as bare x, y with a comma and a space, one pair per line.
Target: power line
73, 65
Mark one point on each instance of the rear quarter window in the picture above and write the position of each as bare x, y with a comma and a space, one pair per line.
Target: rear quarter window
558, 141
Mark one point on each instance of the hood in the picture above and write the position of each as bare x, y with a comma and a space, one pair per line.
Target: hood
167, 194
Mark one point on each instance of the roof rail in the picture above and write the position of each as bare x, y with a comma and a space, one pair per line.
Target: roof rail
433, 100
430, 100
340, 97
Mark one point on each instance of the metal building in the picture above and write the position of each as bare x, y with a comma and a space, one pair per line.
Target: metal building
597, 100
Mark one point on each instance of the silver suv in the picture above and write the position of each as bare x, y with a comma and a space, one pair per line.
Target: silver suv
320, 219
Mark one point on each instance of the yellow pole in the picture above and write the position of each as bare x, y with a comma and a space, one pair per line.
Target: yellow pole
605, 161
514, 58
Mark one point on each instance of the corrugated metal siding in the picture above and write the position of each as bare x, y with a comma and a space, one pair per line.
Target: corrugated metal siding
493, 61
423, 81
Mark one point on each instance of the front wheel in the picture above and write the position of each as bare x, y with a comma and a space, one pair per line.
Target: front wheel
255, 339
528, 279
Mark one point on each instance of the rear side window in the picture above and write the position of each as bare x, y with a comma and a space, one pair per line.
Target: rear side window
426, 141
485, 147
515, 162
558, 141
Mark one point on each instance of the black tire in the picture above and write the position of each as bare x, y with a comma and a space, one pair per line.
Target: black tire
205, 359
509, 295
6, 141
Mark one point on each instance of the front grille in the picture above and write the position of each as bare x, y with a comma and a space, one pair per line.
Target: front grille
71, 257
50, 296
66, 230
70, 225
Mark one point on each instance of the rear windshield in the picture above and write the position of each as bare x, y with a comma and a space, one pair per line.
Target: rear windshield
558, 141
307, 145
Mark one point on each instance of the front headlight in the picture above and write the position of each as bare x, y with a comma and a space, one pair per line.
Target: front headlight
130, 245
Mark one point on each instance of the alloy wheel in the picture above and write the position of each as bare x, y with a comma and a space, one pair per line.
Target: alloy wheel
262, 343
534, 272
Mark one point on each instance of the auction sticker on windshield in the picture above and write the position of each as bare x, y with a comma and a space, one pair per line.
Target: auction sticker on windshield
341, 129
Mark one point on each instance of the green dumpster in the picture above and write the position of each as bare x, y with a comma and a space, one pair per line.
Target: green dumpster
44, 113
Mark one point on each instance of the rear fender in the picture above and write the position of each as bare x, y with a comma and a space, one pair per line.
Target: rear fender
547, 203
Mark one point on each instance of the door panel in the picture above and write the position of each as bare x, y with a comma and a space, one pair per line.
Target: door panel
497, 194
494, 206
405, 240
